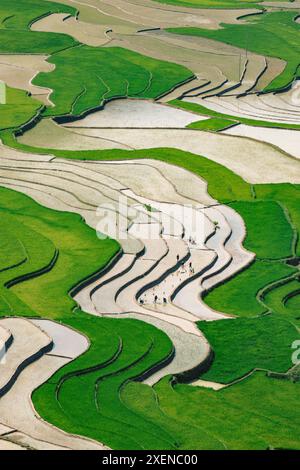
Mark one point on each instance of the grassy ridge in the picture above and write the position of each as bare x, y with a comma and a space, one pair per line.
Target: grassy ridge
274, 34
230, 4
213, 124
203, 111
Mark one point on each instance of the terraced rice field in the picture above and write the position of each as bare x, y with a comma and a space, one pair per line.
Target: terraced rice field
149, 200
101, 78
260, 28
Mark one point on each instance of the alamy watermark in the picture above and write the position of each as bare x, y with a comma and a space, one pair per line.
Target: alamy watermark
296, 353
121, 220
295, 93
2, 352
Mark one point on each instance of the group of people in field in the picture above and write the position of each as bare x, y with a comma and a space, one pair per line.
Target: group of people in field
154, 298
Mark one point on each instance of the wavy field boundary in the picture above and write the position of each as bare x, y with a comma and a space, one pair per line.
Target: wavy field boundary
120, 325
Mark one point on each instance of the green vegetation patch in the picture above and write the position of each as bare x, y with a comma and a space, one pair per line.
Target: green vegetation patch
230, 4
269, 233
263, 342
18, 109
257, 413
32, 42
213, 124
274, 34
28, 11
239, 295
288, 195
15, 21
85, 77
